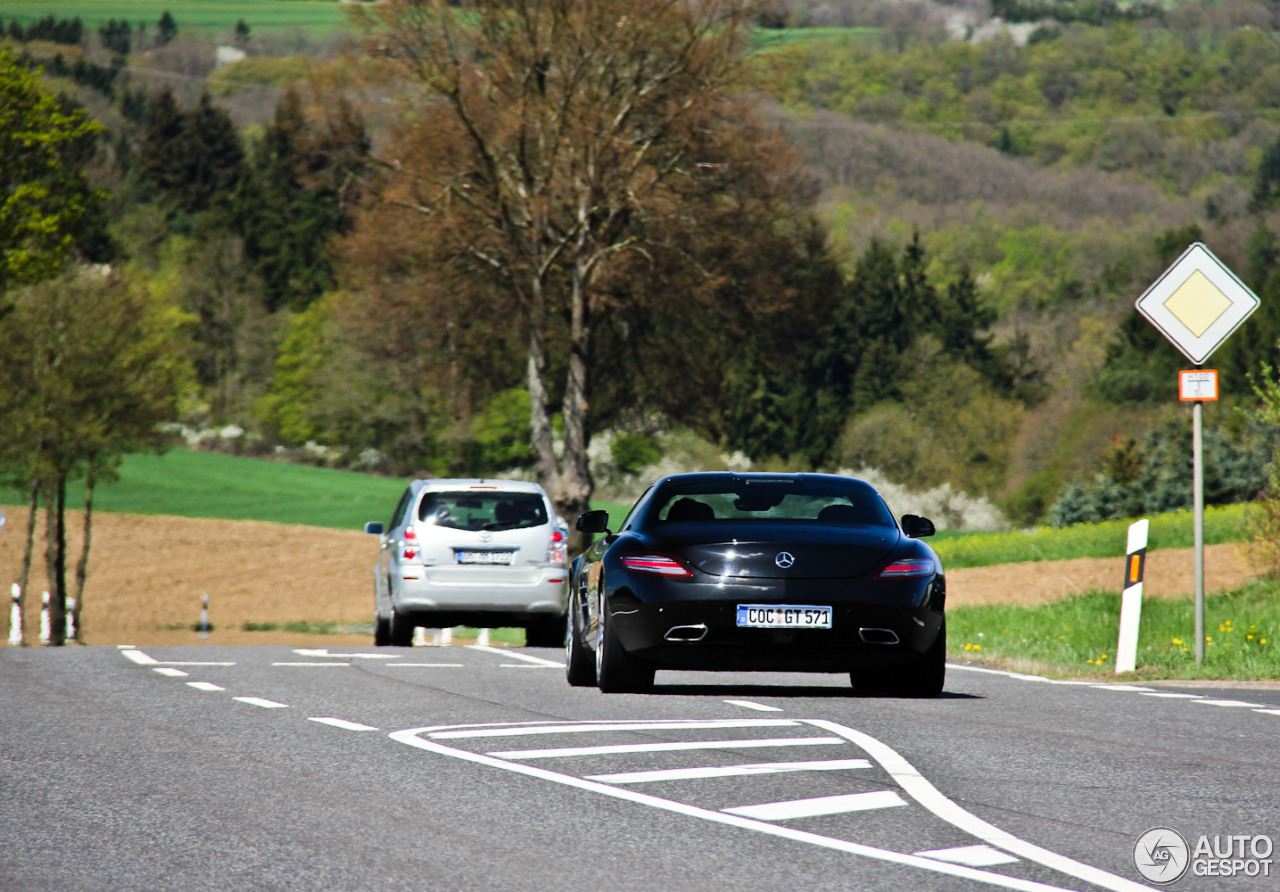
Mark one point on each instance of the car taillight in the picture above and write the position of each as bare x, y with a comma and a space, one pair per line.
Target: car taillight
657, 564
410, 534
555, 554
908, 568
557, 536
409, 554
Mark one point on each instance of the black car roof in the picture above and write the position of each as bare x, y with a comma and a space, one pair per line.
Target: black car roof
713, 476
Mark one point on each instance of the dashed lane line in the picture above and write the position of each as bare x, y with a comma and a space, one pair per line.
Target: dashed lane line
205, 686
1237, 704
312, 665
750, 704
341, 723
259, 701
424, 666
513, 655
171, 673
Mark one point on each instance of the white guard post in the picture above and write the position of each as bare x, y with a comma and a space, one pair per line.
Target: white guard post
46, 629
1131, 600
69, 631
15, 618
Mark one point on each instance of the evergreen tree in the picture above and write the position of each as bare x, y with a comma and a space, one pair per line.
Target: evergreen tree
194, 157
167, 29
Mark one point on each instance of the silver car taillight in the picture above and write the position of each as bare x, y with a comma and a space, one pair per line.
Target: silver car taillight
556, 550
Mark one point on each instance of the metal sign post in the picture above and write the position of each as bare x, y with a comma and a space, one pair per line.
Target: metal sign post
1197, 304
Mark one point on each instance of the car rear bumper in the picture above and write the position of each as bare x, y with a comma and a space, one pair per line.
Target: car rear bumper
497, 589
861, 636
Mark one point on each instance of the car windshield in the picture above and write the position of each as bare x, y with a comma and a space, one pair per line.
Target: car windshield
483, 511
798, 500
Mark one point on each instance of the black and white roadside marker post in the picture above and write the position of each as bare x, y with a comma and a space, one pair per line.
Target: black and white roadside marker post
1131, 599
1197, 303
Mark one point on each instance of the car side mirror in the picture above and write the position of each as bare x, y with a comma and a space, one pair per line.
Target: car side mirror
594, 522
374, 528
917, 527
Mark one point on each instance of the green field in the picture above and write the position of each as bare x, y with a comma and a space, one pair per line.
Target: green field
315, 16
765, 39
1108, 539
1077, 636
188, 483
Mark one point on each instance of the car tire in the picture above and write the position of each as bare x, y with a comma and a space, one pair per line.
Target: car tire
381, 631
400, 633
579, 663
617, 672
546, 631
925, 678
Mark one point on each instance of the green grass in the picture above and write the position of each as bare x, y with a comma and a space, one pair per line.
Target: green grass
1077, 636
316, 16
1107, 539
187, 483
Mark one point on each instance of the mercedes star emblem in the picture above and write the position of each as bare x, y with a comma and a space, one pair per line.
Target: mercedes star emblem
784, 559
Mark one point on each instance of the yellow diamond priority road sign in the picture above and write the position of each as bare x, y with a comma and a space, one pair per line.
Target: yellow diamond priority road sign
1197, 303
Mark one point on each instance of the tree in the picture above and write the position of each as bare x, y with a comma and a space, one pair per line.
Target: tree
45, 198
555, 138
194, 157
90, 364
167, 28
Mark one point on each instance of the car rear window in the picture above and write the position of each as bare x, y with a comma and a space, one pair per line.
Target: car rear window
808, 501
483, 511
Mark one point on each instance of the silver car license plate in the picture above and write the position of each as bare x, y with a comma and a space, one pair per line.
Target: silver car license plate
486, 557
783, 616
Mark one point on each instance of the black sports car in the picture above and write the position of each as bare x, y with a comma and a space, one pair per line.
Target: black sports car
725, 571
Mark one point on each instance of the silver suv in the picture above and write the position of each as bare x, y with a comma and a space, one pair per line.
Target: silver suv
484, 553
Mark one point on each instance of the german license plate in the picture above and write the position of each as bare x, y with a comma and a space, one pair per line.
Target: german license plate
486, 557
783, 616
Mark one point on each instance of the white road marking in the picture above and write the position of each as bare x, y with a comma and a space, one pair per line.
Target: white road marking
664, 747
411, 737
172, 673
1268, 711
919, 789
324, 652
424, 665
139, 657
670, 774
265, 704
597, 727
1171, 696
510, 654
1123, 687
342, 723
759, 707
191, 663
204, 686
527, 666
1022, 676
822, 805
339, 665
1239, 704
125, 647
974, 856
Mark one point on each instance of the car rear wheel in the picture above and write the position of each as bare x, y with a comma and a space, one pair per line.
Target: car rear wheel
617, 672
400, 633
925, 677
546, 631
381, 631
579, 665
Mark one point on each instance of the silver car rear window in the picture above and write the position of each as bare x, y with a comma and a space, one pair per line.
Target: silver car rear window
483, 511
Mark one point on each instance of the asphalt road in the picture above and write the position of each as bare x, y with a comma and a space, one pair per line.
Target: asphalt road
461, 768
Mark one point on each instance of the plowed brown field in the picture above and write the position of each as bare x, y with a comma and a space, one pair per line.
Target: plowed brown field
147, 575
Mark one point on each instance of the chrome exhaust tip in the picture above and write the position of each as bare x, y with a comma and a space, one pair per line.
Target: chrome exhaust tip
879, 636
686, 633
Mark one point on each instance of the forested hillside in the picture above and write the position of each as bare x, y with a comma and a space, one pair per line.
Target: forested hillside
912, 245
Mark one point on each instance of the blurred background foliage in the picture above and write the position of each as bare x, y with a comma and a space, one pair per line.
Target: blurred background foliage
951, 304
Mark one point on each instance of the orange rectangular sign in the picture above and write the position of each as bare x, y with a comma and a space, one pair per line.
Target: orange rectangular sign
1197, 385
